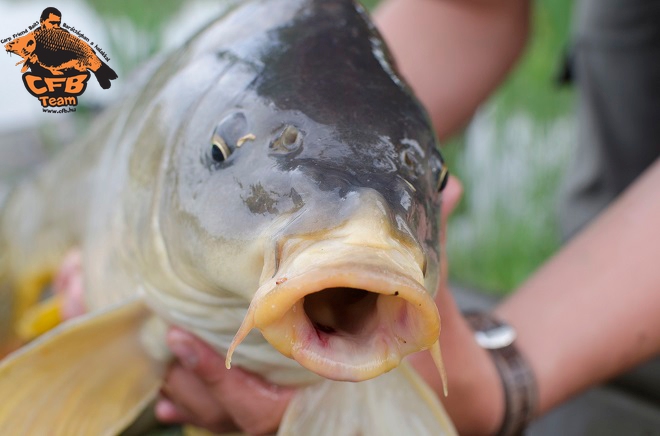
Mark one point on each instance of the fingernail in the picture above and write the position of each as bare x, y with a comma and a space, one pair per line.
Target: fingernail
183, 348
165, 410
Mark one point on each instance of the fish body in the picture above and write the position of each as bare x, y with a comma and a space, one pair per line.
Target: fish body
276, 174
56, 51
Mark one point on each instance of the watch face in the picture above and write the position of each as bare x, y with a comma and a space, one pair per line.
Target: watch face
496, 337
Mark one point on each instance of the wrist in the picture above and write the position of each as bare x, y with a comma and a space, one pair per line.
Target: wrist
517, 379
475, 401
482, 406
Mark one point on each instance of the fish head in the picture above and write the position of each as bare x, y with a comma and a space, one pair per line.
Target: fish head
23, 46
306, 180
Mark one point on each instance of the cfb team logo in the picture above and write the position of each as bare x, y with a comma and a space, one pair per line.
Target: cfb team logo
59, 62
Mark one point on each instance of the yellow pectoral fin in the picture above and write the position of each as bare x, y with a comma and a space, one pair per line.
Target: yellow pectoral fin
28, 292
398, 402
90, 375
22, 316
40, 318
8, 339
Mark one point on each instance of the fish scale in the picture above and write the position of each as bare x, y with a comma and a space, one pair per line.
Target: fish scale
57, 40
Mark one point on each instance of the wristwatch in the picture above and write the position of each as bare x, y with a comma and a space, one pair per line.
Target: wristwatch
520, 392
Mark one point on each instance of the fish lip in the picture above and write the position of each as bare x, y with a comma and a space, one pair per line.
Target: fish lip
407, 320
366, 252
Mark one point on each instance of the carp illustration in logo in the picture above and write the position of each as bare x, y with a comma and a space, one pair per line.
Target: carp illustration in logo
50, 51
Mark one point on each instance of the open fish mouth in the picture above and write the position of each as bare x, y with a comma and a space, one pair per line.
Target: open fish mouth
348, 320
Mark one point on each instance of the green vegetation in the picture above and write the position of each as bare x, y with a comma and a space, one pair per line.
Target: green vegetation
144, 20
370, 4
511, 161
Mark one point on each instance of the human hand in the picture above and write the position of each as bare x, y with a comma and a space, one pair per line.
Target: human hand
201, 391
68, 284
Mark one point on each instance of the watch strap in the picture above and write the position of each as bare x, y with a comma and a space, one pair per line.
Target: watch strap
519, 384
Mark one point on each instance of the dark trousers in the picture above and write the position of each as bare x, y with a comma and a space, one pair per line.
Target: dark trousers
616, 63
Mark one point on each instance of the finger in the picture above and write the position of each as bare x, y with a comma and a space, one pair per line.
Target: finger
204, 361
169, 413
451, 196
196, 384
265, 400
197, 356
253, 403
71, 265
68, 283
186, 389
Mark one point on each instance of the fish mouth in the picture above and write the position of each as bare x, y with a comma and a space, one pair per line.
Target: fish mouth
343, 319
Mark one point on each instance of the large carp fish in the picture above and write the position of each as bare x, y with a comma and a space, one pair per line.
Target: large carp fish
273, 187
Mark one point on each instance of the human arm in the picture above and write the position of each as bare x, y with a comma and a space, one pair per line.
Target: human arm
596, 304
587, 315
454, 53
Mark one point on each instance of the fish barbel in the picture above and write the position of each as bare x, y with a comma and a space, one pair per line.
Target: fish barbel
273, 187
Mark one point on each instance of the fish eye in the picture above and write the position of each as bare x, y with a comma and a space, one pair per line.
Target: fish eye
229, 134
220, 151
442, 178
289, 139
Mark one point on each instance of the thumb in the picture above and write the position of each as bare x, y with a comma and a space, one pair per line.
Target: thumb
451, 196
254, 404
197, 356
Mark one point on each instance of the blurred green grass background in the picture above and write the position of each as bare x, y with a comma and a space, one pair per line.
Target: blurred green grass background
511, 161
